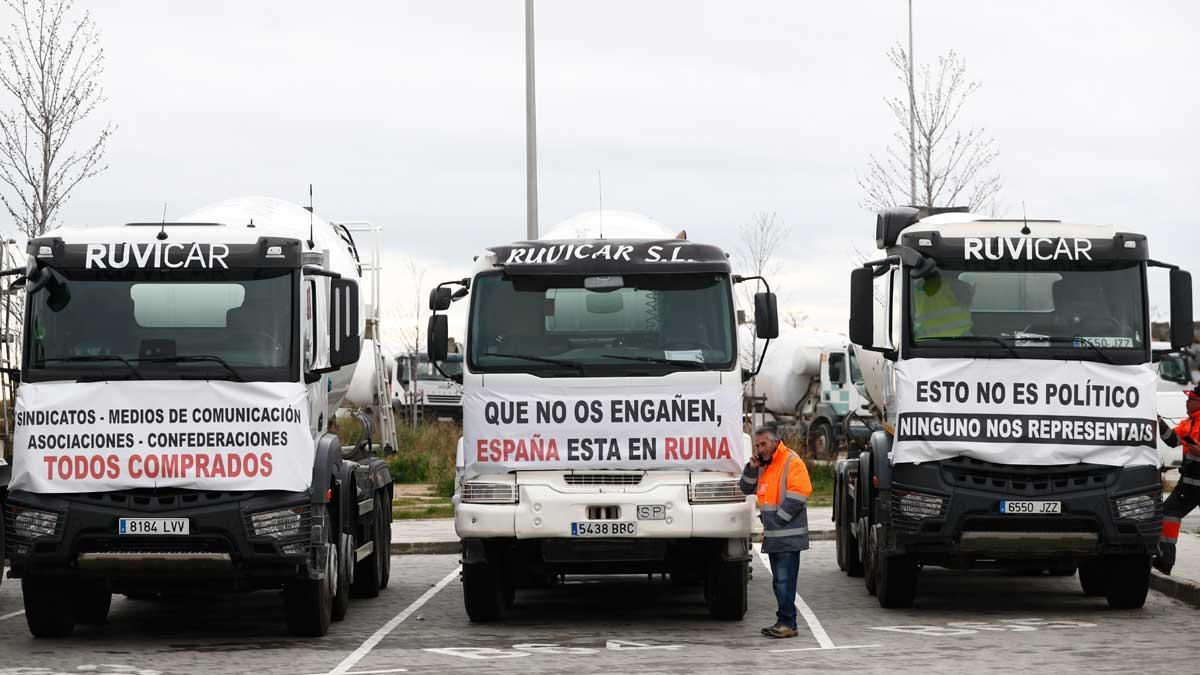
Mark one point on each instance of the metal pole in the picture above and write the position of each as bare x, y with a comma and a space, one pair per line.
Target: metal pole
531, 200
912, 114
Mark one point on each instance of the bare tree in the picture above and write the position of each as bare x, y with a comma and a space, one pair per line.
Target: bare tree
412, 332
50, 69
953, 165
758, 244
796, 319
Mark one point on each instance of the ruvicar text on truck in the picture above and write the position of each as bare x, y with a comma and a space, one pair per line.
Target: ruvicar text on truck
602, 412
1011, 365
178, 381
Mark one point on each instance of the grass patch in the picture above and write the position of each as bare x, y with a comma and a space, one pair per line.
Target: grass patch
426, 455
435, 511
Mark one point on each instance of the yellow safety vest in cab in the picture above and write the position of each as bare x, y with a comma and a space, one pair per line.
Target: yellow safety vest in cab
938, 312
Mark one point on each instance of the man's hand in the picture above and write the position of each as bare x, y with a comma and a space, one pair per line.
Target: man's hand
754, 461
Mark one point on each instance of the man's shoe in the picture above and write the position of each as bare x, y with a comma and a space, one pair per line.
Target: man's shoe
780, 632
767, 631
1162, 565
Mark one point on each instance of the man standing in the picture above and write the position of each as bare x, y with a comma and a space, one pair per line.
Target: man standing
1186, 495
780, 480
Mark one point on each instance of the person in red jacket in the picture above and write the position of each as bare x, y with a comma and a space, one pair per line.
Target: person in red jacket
1186, 495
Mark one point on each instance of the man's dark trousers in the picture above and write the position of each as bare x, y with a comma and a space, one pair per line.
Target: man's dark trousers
785, 568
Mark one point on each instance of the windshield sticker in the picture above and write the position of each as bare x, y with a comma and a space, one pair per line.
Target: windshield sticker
156, 256
1026, 248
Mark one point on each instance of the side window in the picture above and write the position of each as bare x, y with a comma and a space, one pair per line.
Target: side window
837, 368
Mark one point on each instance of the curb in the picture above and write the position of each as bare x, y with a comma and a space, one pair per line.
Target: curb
447, 547
1183, 590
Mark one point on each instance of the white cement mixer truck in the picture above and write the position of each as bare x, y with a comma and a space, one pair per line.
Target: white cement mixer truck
176, 387
1011, 363
602, 413
812, 386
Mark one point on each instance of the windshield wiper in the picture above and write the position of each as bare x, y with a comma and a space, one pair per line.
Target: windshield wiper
694, 365
94, 358
971, 338
540, 359
1058, 339
194, 358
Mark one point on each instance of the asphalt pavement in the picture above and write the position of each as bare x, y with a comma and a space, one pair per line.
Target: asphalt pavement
975, 622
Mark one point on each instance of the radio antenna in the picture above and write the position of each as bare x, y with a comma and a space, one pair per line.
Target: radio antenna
1024, 230
600, 192
311, 245
162, 232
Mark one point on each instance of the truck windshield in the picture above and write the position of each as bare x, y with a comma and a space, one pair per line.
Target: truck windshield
451, 366
553, 326
230, 324
1002, 309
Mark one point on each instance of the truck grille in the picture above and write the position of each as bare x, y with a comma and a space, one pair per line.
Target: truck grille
157, 500
443, 399
146, 544
1031, 481
604, 478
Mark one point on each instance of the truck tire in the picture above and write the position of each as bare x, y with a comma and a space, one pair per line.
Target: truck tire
483, 591
385, 520
345, 576
308, 603
1093, 577
897, 585
821, 444
1128, 581
846, 541
727, 590
368, 572
48, 606
871, 561
91, 602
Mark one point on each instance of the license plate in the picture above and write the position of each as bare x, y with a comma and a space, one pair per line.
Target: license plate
1030, 508
604, 529
652, 512
160, 526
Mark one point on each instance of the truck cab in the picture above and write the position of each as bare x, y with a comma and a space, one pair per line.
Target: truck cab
602, 418
1011, 365
177, 383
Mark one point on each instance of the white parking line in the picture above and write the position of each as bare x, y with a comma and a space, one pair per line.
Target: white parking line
357, 655
810, 618
11, 615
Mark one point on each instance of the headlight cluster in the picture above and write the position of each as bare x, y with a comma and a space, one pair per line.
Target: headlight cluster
30, 523
477, 492
279, 524
920, 506
715, 492
1137, 507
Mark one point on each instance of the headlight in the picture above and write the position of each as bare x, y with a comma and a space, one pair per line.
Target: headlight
476, 492
1137, 507
920, 506
715, 492
279, 524
29, 524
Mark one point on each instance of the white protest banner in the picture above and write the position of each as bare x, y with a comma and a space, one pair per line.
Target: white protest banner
518, 426
1026, 411
207, 435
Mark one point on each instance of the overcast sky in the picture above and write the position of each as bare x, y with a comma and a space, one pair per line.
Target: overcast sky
698, 114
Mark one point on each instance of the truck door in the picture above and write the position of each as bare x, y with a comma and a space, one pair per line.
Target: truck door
835, 384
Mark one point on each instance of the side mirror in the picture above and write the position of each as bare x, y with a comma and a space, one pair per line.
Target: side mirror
766, 316
345, 341
862, 307
437, 337
1182, 327
440, 299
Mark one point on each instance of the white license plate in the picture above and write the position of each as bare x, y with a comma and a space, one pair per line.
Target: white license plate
160, 526
652, 512
612, 528
1030, 508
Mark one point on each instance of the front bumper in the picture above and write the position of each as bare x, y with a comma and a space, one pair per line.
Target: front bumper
970, 526
220, 543
544, 512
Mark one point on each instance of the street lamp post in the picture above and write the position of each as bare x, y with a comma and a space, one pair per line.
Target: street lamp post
531, 200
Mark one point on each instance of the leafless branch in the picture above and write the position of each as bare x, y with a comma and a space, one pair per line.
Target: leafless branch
51, 65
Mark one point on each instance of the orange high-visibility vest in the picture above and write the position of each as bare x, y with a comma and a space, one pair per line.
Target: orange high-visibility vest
774, 485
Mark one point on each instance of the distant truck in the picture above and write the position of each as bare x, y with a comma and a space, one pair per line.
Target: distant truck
812, 381
177, 384
1010, 363
602, 413
433, 391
